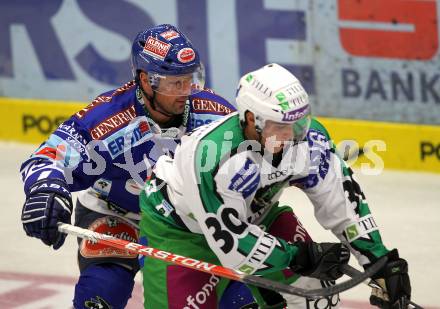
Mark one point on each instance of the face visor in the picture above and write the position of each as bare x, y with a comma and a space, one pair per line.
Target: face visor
178, 85
294, 131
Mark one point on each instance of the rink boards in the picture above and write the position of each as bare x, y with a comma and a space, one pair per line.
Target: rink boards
370, 145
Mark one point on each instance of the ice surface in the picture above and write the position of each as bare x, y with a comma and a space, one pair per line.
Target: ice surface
406, 206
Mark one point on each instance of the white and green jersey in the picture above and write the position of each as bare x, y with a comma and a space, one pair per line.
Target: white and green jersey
222, 186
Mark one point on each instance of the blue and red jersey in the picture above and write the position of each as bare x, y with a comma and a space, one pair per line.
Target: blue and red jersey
109, 147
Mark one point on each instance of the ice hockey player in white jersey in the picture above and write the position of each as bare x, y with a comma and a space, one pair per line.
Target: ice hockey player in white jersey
217, 200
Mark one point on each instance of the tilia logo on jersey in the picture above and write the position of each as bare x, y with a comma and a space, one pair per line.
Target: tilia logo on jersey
257, 260
361, 228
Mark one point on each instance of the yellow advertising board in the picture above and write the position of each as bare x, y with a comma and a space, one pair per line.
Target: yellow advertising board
32, 121
367, 143
397, 145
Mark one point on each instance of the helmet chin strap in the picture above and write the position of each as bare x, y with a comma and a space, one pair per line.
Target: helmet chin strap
260, 140
152, 100
259, 131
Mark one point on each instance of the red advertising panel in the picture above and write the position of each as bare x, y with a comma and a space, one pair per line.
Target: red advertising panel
401, 29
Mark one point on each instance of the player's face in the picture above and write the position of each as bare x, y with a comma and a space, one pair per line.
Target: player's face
172, 93
180, 85
174, 105
275, 135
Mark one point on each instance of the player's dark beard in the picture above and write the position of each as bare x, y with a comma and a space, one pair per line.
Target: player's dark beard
154, 104
176, 119
152, 99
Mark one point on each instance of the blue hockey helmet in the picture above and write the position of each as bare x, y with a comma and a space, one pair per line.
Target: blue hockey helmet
172, 63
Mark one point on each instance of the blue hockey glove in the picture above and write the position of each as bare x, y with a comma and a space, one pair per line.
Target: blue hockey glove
47, 203
395, 287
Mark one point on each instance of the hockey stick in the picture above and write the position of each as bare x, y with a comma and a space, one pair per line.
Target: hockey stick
216, 269
353, 272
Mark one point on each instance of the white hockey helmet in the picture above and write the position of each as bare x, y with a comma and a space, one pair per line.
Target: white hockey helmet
273, 93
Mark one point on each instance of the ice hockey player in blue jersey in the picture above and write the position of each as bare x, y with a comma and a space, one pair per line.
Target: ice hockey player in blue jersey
106, 151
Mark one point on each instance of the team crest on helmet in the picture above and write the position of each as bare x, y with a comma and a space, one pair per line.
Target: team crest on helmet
186, 55
156, 48
170, 35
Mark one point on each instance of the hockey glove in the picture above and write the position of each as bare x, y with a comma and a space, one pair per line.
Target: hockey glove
320, 260
395, 287
47, 203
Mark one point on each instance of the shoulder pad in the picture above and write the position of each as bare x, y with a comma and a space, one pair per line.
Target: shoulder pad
110, 111
209, 102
